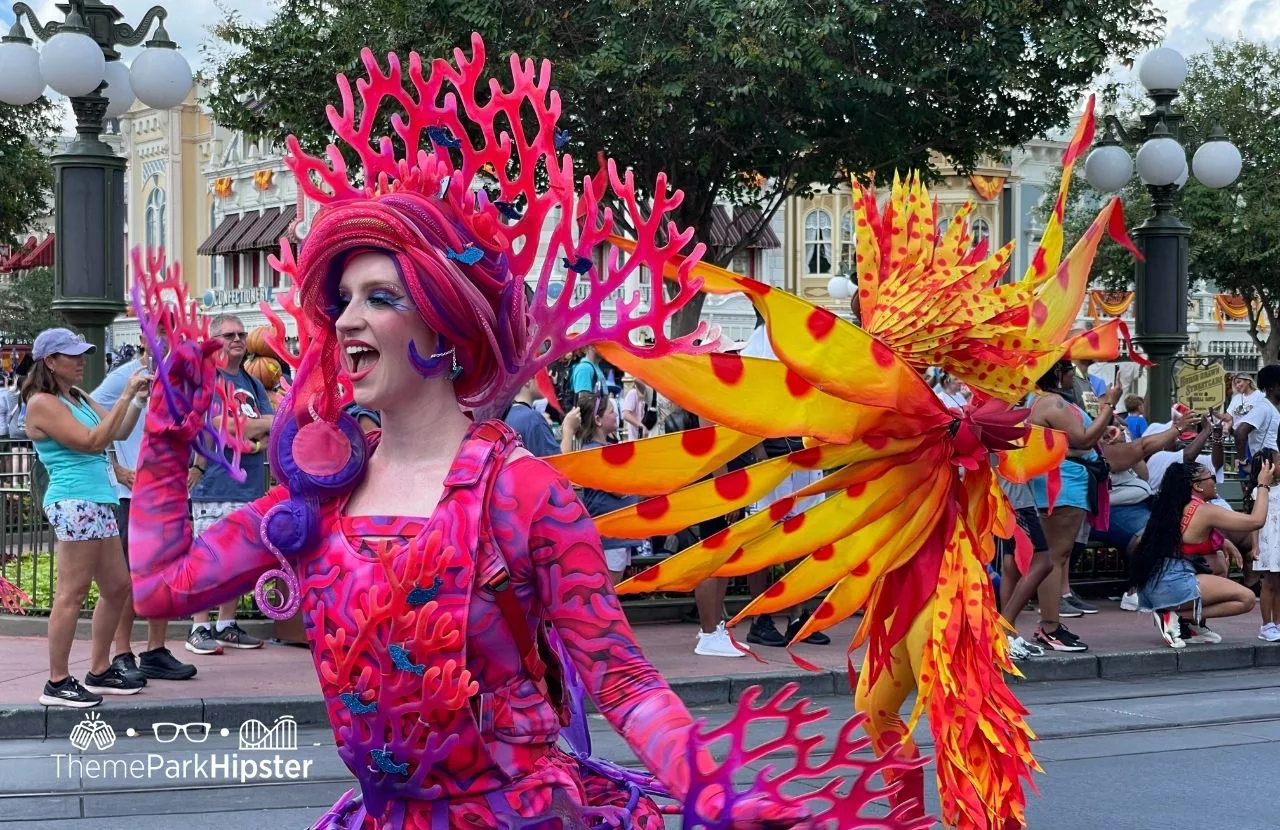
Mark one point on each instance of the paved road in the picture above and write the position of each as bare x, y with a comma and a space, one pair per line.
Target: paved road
1181, 750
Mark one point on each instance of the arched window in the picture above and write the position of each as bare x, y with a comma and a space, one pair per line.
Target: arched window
817, 242
848, 263
155, 218
943, 222
980, 231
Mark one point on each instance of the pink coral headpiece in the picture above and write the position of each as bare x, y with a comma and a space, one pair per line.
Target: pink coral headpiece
488, 157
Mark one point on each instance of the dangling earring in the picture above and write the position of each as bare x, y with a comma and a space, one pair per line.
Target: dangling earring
432, 365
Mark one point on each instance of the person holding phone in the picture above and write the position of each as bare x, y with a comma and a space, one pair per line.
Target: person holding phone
71, 434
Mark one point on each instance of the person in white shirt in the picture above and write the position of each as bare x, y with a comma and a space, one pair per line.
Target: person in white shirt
634, 405
1256, 429
1246, 396
157, 662
950, 390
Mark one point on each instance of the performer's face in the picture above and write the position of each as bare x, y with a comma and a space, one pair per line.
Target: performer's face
376, 322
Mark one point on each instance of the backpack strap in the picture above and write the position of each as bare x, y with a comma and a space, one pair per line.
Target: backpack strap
536, 656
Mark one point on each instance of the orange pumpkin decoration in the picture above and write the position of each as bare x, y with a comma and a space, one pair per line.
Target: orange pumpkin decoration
265, 369
258, 345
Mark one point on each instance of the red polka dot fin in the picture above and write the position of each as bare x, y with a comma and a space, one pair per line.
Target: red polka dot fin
766, 398
654, 466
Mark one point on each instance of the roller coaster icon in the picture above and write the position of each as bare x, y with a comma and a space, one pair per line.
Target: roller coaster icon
257, 736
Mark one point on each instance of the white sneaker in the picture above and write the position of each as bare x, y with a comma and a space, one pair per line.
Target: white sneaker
1129, 602
1020, 649
716, 644
1202, 633
1269, 632
1170, 629
724, 632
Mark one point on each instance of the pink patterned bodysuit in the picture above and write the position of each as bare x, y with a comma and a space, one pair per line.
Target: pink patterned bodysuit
395, 607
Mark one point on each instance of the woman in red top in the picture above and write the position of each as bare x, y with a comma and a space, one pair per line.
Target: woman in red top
1185, 525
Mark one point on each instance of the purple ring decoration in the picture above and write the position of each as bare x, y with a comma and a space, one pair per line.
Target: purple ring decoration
306, 475
271, 601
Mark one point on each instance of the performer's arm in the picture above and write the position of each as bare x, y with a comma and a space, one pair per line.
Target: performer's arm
174, 575
575, 589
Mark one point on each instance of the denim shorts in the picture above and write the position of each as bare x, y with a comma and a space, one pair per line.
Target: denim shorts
76, 520
1172, 587
1127, 522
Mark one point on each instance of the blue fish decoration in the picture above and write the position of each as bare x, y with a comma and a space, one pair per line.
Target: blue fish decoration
469, 255
441, 136
562, 138
508, 210
400, 658
383, 761
356, 705
581, 266
421, 596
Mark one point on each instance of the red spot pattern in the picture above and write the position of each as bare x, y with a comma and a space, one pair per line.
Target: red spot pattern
733, 486
824, 611
698, 442
1039, 312
882, 354
618, 454
824, 553
862, 569
716, 539
796, 385
653, 508
820, 323
781, 508
727, 367
856, 489
775, 590
793, 524
754, 286
735, 556
807, 458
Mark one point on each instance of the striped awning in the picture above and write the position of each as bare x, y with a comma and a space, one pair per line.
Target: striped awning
727, 230
253, 237
280, 227
10, 262
212, 246
40, 257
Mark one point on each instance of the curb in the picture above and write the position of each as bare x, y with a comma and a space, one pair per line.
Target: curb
32, 721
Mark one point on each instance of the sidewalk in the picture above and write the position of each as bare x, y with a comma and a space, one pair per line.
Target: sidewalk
249, 683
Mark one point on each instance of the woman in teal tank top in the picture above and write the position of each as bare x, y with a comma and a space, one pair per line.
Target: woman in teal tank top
71, 434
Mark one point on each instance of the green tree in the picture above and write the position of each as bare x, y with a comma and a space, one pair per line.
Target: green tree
1235, 231
26, 177
25, 305
717, 91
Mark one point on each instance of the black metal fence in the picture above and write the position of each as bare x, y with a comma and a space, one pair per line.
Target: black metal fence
26, 540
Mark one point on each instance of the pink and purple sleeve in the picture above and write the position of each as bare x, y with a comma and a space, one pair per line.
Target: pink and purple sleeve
578, 598
173, 574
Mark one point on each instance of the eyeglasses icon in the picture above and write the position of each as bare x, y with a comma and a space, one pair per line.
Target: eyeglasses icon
167, 733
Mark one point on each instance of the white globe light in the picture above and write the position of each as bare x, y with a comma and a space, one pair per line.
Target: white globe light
1162, 68
1181, 181
20, 78
161, 77
1108, 168
1217, 163
1160, 161
119, 90
840, 288
72, 63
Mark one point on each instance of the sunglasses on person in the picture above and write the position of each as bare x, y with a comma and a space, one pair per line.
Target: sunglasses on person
1202, 478
234, 335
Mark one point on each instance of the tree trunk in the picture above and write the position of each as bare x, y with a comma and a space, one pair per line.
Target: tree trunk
1271, 348
686, 319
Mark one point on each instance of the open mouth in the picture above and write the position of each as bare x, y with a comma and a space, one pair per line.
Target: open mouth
360, 360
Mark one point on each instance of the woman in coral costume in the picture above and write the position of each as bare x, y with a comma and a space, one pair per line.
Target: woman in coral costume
440, 569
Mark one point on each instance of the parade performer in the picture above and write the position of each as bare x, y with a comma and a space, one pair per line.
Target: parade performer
913, 502
439, 568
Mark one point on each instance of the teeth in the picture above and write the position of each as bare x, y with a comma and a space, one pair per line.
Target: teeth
355, 350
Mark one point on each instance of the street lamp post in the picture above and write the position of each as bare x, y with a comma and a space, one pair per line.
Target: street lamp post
79, 60
1161, 276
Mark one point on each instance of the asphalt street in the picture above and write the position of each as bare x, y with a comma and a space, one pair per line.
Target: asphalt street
1177, 750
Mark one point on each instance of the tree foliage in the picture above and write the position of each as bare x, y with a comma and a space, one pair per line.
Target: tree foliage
1235, 231
26, 302
715, 92
26, 177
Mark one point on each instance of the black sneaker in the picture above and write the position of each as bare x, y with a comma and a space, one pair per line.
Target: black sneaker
764, 633
160, 664
817, 638
233, 636
68, 692
112, 682
1059, 639
200, 641
128, 666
